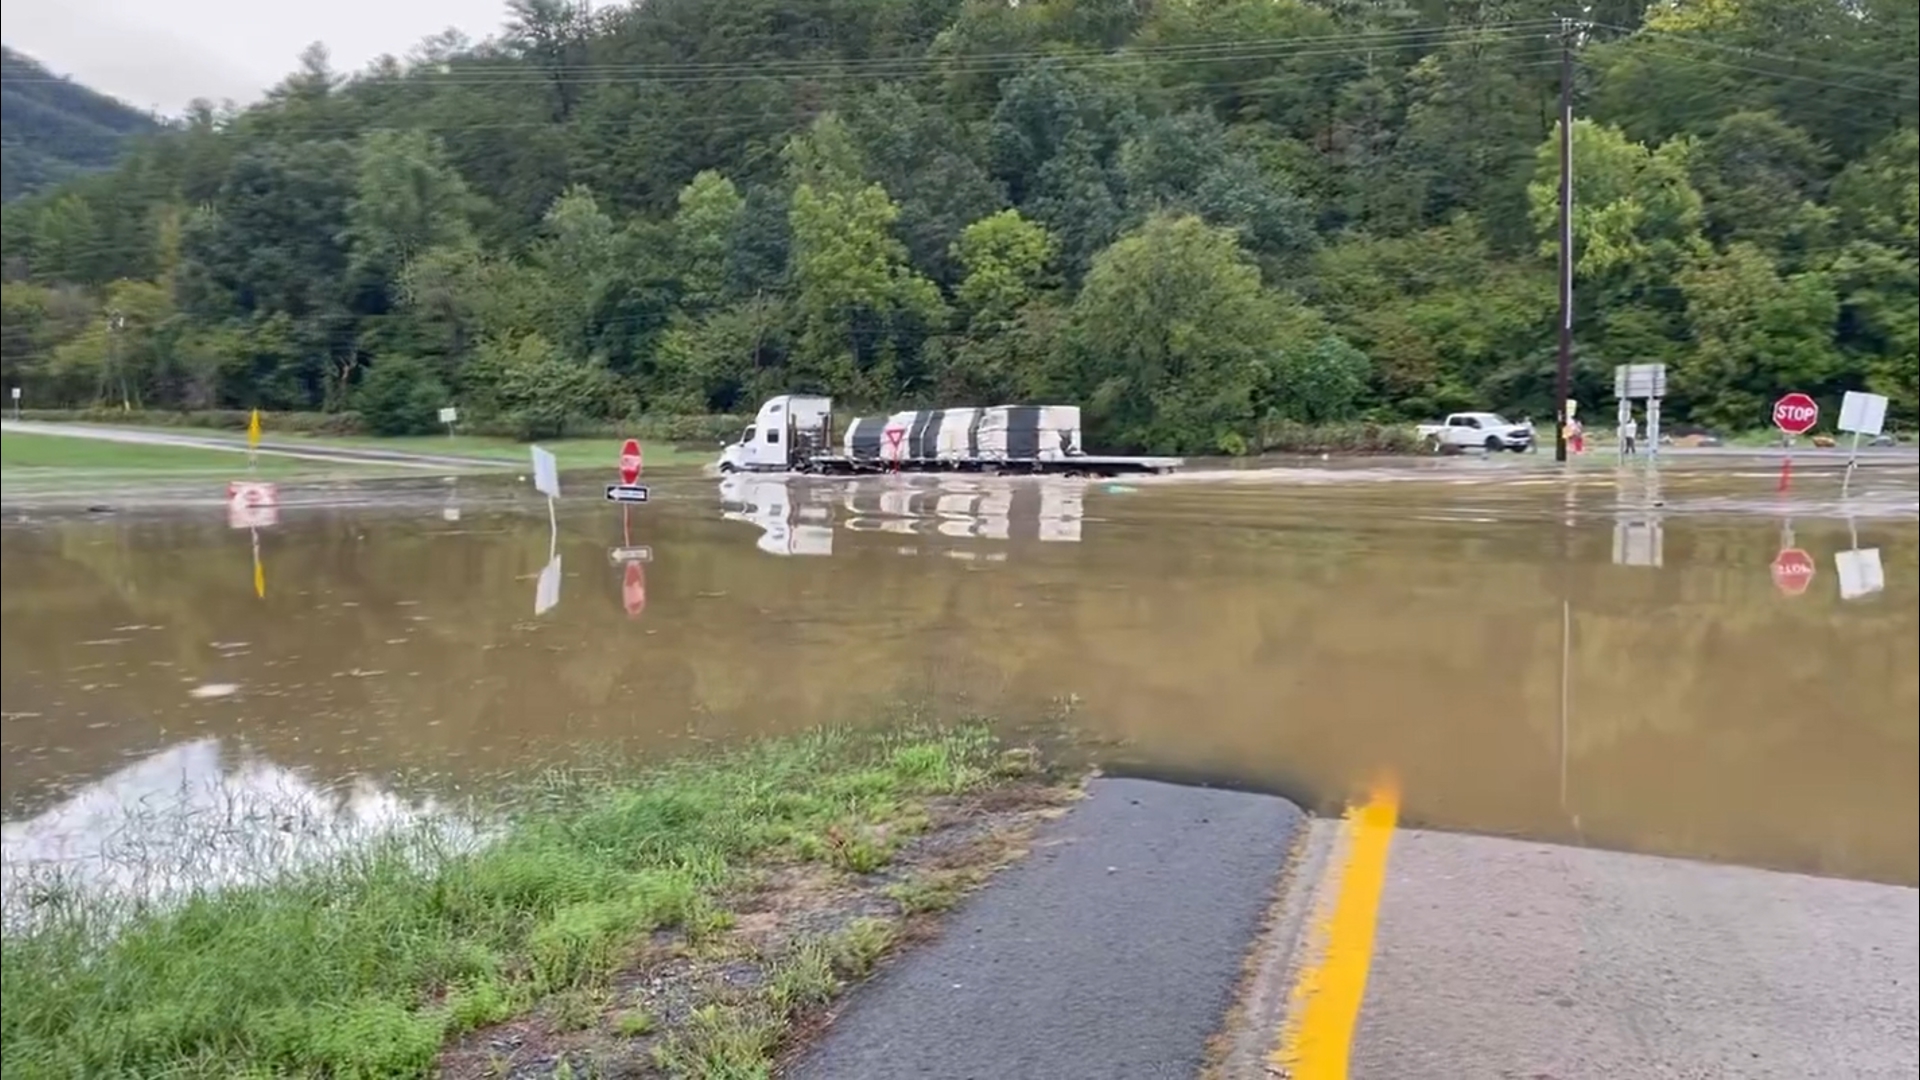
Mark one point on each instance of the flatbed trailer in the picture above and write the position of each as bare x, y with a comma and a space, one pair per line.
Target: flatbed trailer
796, 434
1102, 465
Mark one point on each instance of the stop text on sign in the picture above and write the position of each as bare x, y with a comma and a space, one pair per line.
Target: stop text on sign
1796, 414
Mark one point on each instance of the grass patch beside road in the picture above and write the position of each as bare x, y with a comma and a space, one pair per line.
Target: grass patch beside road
686, 917
21, 450
570, 453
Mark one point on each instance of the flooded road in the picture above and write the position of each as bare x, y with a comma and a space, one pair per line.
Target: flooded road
1617, 659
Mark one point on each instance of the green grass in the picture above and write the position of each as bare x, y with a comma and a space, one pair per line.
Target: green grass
365, 968
21, 450
571, 453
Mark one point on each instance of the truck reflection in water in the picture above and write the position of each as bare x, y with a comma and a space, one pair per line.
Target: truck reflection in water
799, 516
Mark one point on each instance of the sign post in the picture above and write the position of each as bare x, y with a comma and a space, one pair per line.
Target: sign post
16, 404
448, 416
1794, 414
253, 438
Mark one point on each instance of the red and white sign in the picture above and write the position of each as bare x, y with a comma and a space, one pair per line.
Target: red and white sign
1792, 571
633, 590
1796, 413
895, 436
252, 504
630, 462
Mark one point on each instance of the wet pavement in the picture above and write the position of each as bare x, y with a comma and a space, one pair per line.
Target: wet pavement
1615, 659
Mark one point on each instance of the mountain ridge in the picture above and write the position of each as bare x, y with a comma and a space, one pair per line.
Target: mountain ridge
53, 128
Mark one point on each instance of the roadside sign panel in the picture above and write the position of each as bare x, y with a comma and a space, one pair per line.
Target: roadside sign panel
253, 428
630, 462
626, 493
252, 504
1796, 413
895, 436
1635, 381
240, 516
637, 553
1863, 414
449, 415
546, 473
1793, 571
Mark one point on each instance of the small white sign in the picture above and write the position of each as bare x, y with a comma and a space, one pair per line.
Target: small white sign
1635, 381
546, 473
449, 414
546, 592
1860, 573
16, 393
621, 555
626, 493
1863, 413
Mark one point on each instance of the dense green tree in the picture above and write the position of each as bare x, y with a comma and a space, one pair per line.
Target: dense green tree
1176, 335
1197, 220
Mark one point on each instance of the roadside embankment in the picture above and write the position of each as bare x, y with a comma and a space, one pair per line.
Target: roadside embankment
691, 918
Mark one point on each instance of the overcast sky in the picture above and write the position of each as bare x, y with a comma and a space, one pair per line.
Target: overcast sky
161, 54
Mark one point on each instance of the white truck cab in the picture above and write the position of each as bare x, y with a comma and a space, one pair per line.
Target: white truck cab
1487, 430
783, 425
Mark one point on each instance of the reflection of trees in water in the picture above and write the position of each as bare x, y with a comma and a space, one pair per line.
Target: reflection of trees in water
1279, 648
185, 819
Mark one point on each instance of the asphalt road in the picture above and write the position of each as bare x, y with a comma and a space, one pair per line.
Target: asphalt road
303, 451
1503, 958
1112, 953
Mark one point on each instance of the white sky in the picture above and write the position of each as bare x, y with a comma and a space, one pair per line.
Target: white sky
161, 54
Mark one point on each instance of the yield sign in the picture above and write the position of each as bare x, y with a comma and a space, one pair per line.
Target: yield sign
894, 438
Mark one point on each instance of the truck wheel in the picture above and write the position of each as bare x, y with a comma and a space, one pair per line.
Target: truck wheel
1493, 444
1518, 448
1433, 444
726, 467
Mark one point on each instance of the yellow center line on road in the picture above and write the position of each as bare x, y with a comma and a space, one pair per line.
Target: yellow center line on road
1316, 1042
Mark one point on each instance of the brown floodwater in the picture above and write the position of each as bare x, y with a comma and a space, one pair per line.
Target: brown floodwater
1604, 660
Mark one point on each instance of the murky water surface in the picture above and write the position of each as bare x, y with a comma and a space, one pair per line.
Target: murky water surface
1618, 659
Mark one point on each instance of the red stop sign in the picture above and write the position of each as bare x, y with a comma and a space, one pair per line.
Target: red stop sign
630, 461
1796, 413
1792, 571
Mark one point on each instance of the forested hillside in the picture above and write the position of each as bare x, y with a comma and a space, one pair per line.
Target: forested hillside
52, 129
1194, 218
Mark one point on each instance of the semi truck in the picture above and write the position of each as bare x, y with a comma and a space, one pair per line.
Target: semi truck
796, 433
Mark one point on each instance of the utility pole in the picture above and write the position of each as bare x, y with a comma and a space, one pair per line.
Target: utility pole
116, 322
1563, 383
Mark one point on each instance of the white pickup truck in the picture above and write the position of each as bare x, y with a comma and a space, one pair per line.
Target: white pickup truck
1490, 431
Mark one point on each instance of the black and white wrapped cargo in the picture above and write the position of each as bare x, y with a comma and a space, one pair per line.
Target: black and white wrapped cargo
795, 433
